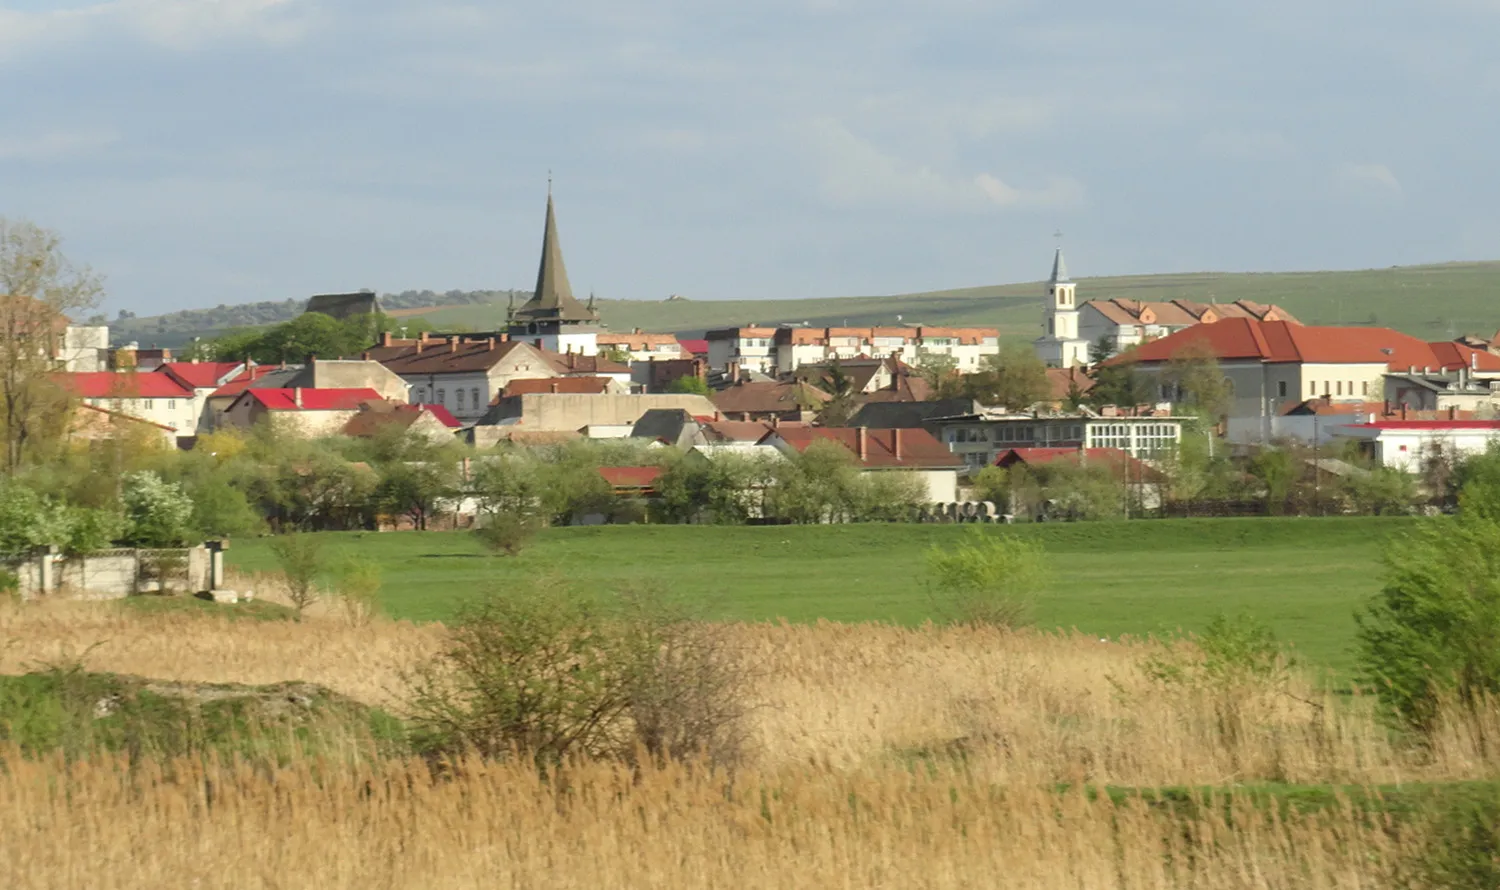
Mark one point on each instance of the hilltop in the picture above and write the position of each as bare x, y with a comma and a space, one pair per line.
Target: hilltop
1433, 302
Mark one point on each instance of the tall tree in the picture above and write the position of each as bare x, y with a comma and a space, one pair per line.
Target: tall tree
39, 286
1200, 383
1013, 377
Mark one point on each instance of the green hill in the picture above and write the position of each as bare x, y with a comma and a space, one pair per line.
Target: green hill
1433, 302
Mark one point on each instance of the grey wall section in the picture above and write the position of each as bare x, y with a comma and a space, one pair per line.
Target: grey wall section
344, 305
565, 412
350, 374
114, 574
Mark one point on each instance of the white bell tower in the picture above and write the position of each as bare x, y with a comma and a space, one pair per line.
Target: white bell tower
1059, 345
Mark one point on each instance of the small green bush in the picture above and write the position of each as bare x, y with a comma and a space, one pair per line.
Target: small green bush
988, 579
508, 533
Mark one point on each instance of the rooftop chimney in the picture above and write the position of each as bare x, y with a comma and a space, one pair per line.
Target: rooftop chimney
491, 344
452, 344
896, 442
385, 338
554, 386
297, 396
365, 356
861, 443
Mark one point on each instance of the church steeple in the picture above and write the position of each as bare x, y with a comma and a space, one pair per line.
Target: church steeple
1059, 268
553, 298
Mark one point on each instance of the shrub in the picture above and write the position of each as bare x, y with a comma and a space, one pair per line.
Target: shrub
507, 533
358, 582
987, 579
157, 513
553, 675
300, 558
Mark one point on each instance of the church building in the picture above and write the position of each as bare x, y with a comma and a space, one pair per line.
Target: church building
553, 319
1060, 345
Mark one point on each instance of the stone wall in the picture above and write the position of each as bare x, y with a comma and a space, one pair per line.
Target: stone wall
116, 574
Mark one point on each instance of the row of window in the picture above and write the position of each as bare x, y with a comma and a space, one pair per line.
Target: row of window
1333, 388
440, 397
1138, 439
145, 404
1016, 434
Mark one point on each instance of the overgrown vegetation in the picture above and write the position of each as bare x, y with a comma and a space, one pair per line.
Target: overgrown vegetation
988, 580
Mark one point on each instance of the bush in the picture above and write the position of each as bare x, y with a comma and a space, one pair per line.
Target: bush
157, 513
987, 579
358, 582
552, 675
507, 533
1460, 847
300, 558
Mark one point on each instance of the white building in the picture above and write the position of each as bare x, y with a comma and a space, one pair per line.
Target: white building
747, 350
642, 347
461, 372
1061, 345
784, 349
154, 398
1412, 445
979, 439
85, 348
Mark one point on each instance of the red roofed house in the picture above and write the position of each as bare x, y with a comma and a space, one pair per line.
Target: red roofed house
1412, 445
155, 398
641, 347
913, 451
463, 372
310, 412
1272, 365
633, 481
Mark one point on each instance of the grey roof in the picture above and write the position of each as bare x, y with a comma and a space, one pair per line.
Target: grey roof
343, 306
1059, 268
909, 415
672, 425
553, 299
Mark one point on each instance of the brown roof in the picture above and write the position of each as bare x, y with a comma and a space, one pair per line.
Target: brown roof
576, 363
1177, 313
767, 398
733, 333
376, 416
448, 355
877, 449
638, 340
1063, 381
734, 430
573, 385
1280, 341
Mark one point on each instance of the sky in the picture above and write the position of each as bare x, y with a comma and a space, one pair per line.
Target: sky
198, 152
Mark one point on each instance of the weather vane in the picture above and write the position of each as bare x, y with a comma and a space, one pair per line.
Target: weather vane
1058, 235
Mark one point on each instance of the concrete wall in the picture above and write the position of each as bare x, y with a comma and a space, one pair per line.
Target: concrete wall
342, 374
565, 412
115, 574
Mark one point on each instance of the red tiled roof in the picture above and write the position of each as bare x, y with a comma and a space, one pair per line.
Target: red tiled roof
767, 398
917, 447
243, 382
695, 346
571, 385
201, 375
1121, 463
1323, 407
111, 385
630, 477
577, 363
314, 399
1062, 381
456, 354
1281, 341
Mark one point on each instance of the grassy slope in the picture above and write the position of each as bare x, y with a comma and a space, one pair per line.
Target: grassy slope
1427, 301
1303, 576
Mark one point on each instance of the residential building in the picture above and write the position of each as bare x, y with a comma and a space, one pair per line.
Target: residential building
1142, 482
201, 379
1441, 390
568, 385
430, 422
461, 372
642, 347
91, 423
659, 374
553, 319
254, 377
779, 400
1413, 445
742, 350
1272, 365
912, 451
307, 412
155, 398
980, 438
84, 348
1124, 323
577, 364
1067, 384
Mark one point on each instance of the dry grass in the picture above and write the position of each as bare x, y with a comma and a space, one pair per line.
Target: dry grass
830, 798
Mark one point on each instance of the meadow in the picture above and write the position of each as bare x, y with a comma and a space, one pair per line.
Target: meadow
1302, 577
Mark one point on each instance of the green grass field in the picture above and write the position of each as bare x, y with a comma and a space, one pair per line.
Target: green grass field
1303, 577
1434, 302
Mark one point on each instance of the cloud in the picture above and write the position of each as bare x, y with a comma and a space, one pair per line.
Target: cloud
1367, 180
173, 24
857, 173
56, 145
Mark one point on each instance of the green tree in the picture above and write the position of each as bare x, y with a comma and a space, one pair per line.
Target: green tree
157, 513
987, 579
940, 372
1014, 377
838, 409
1278, 470
303, 564
1195, 374
1119, 382
1102, 349
689, 384
816, 485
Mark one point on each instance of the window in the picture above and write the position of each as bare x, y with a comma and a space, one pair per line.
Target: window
1312, 388
150, 404
171, 404
1340, 387
460, 396
474, 394
440, 399
1281, 389
420, 394
1366, 388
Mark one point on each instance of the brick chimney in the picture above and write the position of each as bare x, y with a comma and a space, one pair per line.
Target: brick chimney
297, 396
385, 338
452, 344
861, 443
896, 443
365, 356
553, 386
490, 344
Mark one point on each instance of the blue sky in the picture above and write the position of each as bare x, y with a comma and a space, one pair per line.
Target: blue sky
199, 152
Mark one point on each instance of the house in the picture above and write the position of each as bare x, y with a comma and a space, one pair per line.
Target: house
307, 412
430, 422
658, 375
632, 481
878, 451
577, 364
1441, 390
91, 423
1142, 481
253, 377
743, 349
570, 412
1413, 445
569, 385
156, 398
678, 429
461, 372
1272, 364
84, 348
202, 379
553, 319
779, 400
979, 439
1070, 330
642, 347
1067, 384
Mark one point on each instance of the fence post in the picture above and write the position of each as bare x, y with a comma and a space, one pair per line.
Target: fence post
216, 563
47, 570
